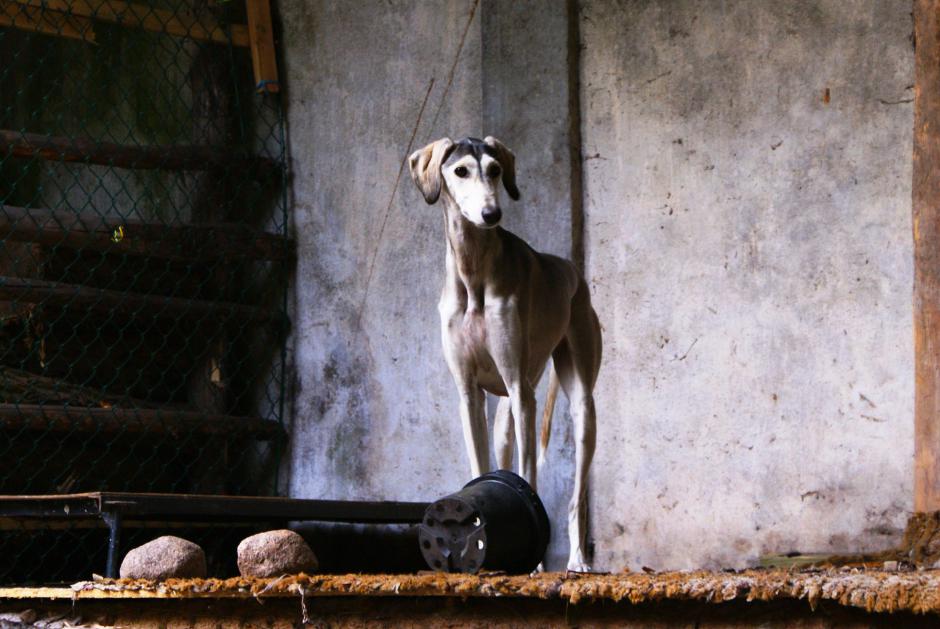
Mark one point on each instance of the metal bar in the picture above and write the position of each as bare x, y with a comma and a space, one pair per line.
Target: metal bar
171, 506
183, 507
67, 506
113, 520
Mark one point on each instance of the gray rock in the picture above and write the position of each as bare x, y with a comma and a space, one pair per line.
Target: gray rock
165, 558
274, 553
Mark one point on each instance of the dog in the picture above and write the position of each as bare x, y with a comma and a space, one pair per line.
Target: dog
505, 310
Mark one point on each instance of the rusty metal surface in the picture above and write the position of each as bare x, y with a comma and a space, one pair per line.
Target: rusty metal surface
196, 506
870, 590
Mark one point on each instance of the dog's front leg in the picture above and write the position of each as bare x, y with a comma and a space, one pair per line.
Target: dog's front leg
472, 411
507, 346
472, 398
473, 420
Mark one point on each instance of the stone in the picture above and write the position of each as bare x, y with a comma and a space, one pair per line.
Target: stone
274, 553
165, 558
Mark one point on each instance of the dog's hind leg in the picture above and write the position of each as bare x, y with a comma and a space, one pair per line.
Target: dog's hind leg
503, 434
577, 360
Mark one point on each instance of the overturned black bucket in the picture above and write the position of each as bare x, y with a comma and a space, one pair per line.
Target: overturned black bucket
496, 522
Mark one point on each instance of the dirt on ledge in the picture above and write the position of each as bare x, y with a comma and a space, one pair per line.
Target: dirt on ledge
915, 591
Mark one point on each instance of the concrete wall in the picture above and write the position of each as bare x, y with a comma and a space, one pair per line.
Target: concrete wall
373, 412
748, 246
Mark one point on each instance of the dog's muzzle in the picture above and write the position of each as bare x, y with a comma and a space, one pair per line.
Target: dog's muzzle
491, 215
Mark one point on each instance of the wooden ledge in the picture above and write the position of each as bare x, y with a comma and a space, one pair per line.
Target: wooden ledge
176, 157
61, 295
173, 241
872, 591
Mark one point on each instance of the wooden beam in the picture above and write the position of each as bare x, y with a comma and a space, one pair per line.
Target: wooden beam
110, 234
261, 36
926, 224
177, 157
181, 23
124, 420
36, 19
60, 295
22, 387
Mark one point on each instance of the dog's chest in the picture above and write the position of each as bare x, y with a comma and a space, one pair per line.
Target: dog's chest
467, 324
473, 330
469, 340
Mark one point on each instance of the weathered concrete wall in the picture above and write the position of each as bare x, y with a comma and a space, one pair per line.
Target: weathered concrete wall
373, 414
525, 103
749, 248
748, 245
375, 407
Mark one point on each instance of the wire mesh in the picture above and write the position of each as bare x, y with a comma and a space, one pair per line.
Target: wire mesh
143, 265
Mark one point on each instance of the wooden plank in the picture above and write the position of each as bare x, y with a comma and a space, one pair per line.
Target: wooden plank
261, 36
71, 419
35, 19
55, 294
23, 387
51, 592
180, 23
926, 224
738, 599
108, 234
178, 157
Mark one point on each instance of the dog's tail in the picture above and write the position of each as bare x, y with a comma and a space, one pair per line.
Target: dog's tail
547, 415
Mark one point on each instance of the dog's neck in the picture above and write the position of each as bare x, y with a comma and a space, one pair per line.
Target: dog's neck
473, 251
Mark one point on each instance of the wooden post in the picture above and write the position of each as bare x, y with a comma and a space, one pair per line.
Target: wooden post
926, 210
261, 40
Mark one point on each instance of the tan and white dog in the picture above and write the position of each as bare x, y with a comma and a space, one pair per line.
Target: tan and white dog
505, 309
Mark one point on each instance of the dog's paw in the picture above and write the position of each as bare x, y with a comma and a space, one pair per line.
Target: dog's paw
578, 564
539, 568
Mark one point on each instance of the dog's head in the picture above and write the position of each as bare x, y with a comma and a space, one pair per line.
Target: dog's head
469, 172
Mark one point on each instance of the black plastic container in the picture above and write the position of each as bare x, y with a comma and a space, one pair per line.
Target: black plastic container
496, 522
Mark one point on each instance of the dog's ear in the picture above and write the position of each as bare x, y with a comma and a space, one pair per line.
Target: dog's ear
425, 167
507, 160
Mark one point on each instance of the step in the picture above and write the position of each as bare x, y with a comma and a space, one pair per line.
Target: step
61, 295
71, 419
173, 157
109, 234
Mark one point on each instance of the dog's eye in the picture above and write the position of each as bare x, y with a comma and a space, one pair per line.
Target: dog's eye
461, 171
493, 171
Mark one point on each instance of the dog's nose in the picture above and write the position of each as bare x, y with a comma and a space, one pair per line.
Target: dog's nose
491, 215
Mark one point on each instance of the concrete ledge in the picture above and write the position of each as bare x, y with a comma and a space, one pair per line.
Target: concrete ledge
868, 590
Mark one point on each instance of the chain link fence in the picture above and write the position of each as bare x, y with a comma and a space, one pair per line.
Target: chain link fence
143, 266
